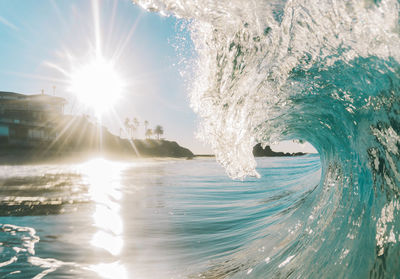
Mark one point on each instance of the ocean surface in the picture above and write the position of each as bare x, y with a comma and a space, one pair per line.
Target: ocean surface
155, 219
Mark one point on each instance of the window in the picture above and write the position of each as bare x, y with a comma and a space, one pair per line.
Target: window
4, 132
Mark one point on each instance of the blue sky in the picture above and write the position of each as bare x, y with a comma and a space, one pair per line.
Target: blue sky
150, 53
152, 49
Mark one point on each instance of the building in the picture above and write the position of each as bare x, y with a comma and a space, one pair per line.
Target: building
29, 119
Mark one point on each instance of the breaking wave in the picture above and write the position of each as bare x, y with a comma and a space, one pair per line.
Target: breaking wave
326, 72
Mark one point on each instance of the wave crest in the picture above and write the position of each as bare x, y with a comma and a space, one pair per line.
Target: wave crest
326, 72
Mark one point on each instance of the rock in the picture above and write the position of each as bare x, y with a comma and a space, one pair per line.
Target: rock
258, 151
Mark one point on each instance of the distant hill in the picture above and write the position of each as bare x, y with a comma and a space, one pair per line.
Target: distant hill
258, 151
79, 137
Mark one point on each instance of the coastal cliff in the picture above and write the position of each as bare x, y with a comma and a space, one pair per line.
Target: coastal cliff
258, 151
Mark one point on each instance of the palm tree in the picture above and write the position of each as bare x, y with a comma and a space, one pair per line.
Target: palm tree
127, 124
133, 129
135, 124
158, 131
146, 125
149, 133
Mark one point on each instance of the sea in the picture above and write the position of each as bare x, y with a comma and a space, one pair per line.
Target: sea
155, 218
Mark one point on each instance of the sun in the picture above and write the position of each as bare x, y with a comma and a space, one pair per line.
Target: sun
97, 85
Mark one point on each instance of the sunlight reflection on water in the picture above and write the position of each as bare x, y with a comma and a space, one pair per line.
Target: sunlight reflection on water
110, 270
104, 180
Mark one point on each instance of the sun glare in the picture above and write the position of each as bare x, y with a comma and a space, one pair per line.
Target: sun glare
97, 85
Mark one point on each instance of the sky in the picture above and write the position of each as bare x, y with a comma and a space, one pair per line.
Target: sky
43, 42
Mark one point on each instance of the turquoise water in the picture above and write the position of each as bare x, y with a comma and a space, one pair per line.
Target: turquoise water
152, 219
325, 72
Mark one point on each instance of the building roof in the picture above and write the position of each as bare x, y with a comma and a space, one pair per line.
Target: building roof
40, 98
46, 99
11, 95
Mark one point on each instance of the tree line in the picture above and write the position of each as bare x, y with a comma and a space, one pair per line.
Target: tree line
132, 126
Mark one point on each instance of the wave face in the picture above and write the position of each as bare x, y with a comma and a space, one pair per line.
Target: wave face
326, 72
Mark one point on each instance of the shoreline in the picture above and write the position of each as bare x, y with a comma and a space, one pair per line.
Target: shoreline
13, 155
78, 158
27, 157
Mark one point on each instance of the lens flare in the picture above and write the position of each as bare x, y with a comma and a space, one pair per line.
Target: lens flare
97, 85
